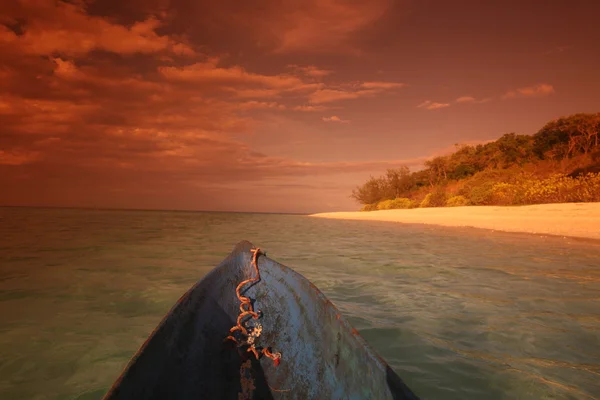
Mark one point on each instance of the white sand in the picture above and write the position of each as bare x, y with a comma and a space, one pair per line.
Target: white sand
568, 219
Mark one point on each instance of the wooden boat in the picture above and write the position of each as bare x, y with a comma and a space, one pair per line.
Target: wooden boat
286, 341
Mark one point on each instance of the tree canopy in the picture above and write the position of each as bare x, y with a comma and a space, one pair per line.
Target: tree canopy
573, 137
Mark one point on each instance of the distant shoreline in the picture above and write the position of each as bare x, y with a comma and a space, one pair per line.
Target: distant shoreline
580, 220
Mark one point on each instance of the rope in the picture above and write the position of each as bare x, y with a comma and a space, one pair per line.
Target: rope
250, 334
279, 390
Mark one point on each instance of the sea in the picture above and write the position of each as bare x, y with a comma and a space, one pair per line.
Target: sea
458, 313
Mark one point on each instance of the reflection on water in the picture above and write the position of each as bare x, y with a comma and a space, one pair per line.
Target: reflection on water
458, 313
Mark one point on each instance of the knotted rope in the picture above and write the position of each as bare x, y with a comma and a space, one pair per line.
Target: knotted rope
249, 334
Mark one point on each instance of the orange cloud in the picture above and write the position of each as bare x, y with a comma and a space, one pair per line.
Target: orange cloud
42, 117
471, 99
310, 108
238, 82
323, 25
466, 99
66, 69
378, 85
59, 27
248, 105
241, 83
86, 118
209, 72
331, 95
311, 71
18, 157
73, 77
335, 118
353, 91
253, 93
429, 105
102, 128
539, 90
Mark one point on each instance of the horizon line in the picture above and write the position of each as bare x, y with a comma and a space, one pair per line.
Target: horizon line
154, 209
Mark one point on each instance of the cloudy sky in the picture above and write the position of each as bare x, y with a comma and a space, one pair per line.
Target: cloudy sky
265, 105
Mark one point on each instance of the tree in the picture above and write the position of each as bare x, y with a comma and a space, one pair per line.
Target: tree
420, 178
514, 149
577, 133
438, 167
586, 129
462, 163
551, 135
398, 181
371, 192
559, 139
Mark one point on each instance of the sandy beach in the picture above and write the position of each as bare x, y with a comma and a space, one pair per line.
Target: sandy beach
569, 219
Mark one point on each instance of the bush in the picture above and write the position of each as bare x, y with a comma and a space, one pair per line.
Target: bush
436, 198
482, 194
479, 188
457, 201
505, 194
403, 202
560, 188
384, 205
557, 188
426, 201
587, 188
398, 203
462, 171
369, 207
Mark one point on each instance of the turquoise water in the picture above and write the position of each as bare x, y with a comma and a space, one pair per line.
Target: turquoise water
459, 313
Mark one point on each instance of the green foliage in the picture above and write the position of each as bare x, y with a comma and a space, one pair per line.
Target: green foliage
385, 205
397, 203
568, 136
515, 149
457, 201
551, 135
438, 168
462, 171
426, 201
437, 198
492, 173
482, 195
420, 178
371, 192
397, 182
504, 194
403, 202
369, 207
559, 188
479, 188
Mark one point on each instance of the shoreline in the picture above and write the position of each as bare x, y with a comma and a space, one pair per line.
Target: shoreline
578, 220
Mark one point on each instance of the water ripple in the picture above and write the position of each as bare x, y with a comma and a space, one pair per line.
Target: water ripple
459, 313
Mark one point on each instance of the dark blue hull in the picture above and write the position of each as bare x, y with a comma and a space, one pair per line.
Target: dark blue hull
322, 356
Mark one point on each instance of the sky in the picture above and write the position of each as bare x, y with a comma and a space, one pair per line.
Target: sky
271, 106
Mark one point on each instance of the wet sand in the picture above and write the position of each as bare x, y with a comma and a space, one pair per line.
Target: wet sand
564, 219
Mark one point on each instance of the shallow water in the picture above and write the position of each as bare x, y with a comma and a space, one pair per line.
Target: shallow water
459, 313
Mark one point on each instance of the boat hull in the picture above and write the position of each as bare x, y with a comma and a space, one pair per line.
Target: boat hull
323, 357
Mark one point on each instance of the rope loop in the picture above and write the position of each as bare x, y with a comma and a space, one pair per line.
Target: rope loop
248, 334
